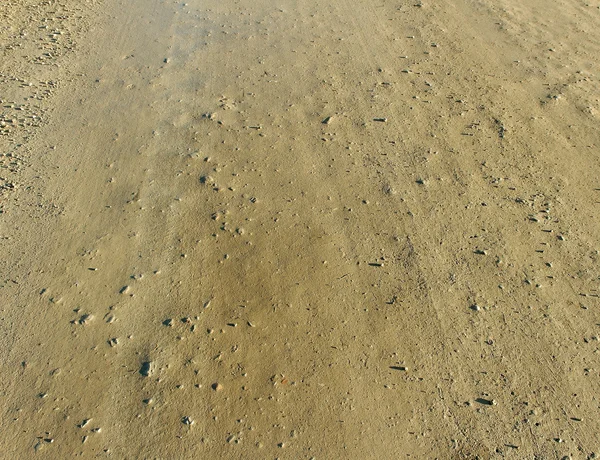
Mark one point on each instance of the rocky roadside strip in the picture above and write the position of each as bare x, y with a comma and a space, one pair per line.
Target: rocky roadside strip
39, 43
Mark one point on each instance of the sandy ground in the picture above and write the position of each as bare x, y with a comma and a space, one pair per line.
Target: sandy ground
299, 229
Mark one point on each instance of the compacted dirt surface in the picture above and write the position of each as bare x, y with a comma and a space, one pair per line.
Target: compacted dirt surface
236, 229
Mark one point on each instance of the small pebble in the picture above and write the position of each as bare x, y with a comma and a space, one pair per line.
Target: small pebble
86, 319
147, 369
217, 386
84, 423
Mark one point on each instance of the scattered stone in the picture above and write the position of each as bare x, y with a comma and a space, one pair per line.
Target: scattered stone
86, 319
124, 290
187, 420
327, 120
84, 423
148, 368
113, 342
486, 402
168, 322
217, 386
381, 120
475, 307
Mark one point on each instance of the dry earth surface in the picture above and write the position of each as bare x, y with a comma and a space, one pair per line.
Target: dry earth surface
252, 229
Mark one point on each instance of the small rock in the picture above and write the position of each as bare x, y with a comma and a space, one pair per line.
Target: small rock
399, 368
86, 319
147, 369
187, 420
84, 423
217, 386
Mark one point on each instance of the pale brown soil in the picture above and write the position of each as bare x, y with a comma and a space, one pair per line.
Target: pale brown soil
300, 229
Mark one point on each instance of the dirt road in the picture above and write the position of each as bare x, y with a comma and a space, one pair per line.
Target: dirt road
331, 230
